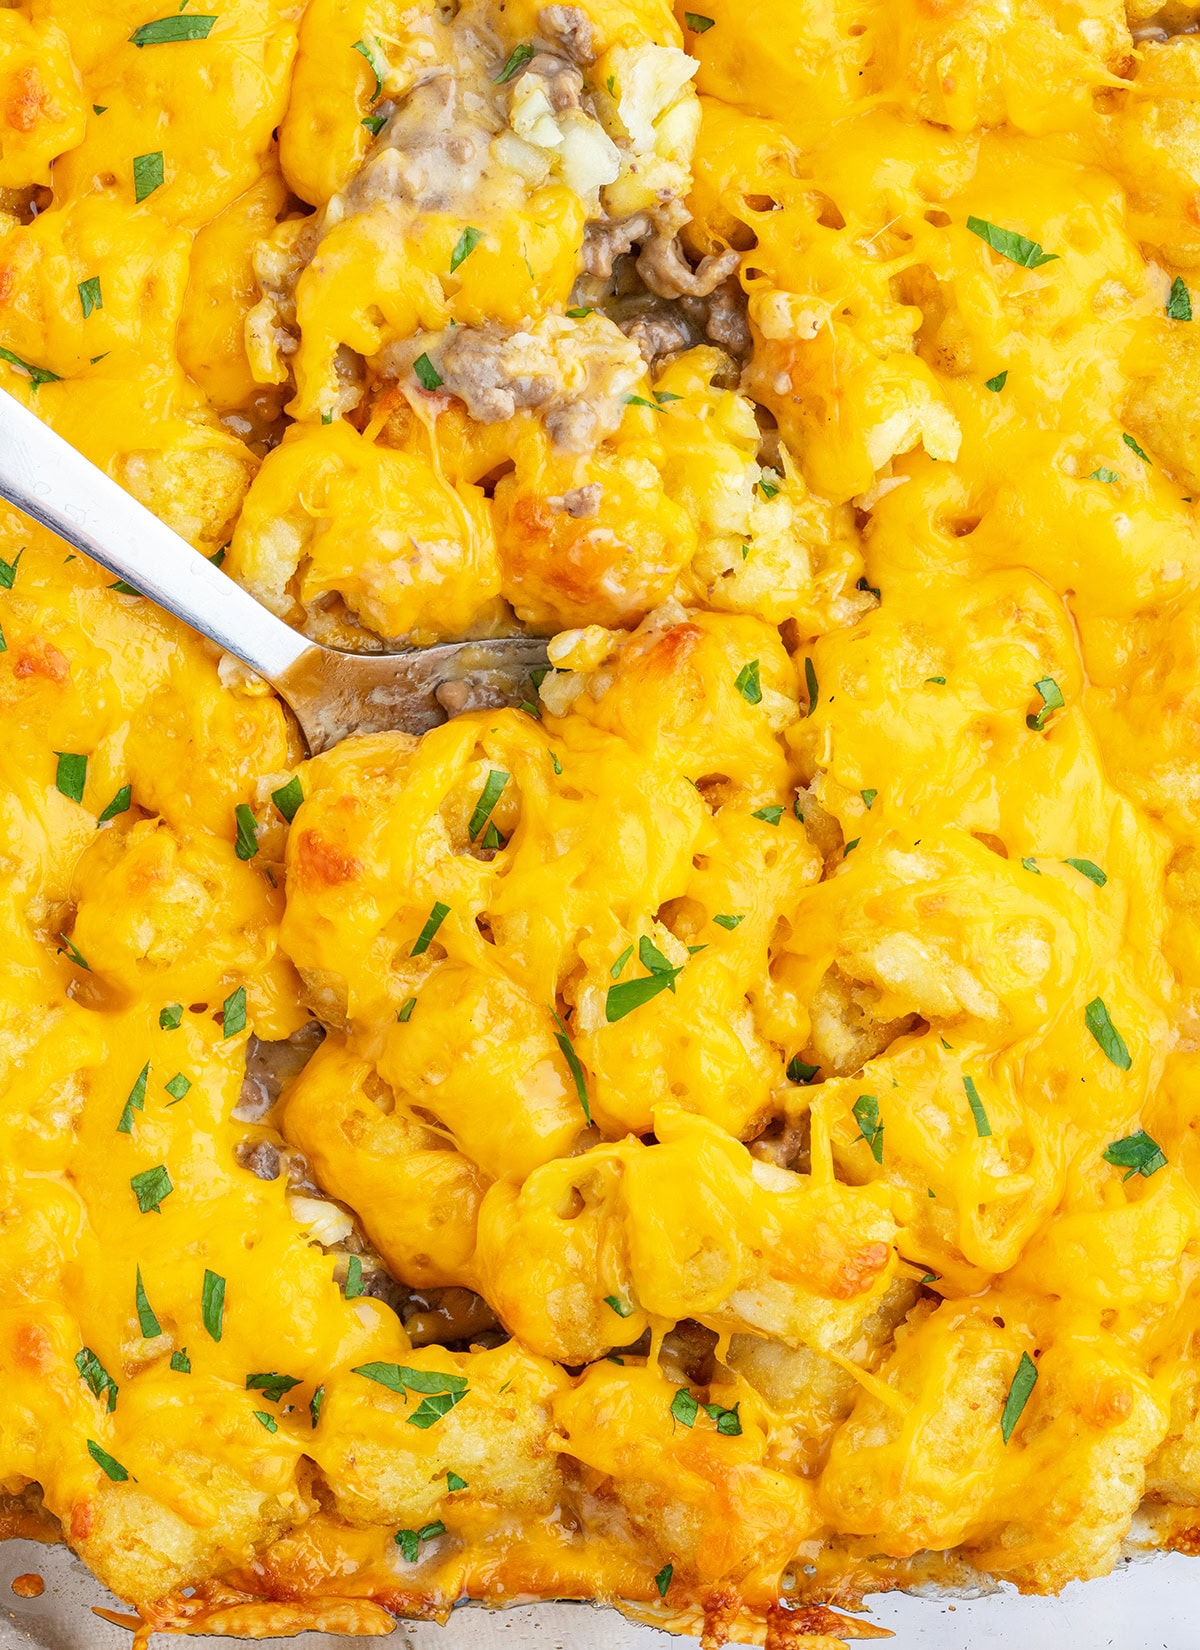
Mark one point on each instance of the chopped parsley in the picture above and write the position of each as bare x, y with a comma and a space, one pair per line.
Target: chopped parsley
112, 1468
1137, 1153
454, 1482
620, 1307
180, 1362
866, 1115
851, 846
937, 681
868, 796
272, 1386
810, 682
770, 815
622, 999
75, 955
640, 401
70, 775
618, 966
1179, 304
314, 1406
409, 1541
663, 1579
1099, 1023
798, 1072
164, 31
178, 1086
697, 22
427, 374
1134, 448
728, 922
365, 52
246, 845
441, 1392
135, 1102
768, 489
982, 1127
729, 1422
96, 1377
38, 375
1016, 248
353, 1285
147, 1322
374, 125
497, 779
580, 314
433, 922
563, 1038
1089, 869
151, 1187
212, 1304
1052, 700
1031, 865
266, 1420
233, 1013
171, 1017
288, 798
467, 242
997, 383
1023, 1383
119, 805
90, 296
1109, 477
147, 175
748, 683
517, 59
406, 1010
684, 1408
8, 570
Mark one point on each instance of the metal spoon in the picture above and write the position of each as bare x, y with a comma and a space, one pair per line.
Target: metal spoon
332, 693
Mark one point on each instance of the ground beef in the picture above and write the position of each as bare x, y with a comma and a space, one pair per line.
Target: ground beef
570, 28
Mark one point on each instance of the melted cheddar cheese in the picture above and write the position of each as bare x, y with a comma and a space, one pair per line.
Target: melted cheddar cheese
719, 1137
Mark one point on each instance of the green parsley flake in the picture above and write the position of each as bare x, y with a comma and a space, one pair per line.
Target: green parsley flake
96, 1377
580, 314
37, 375
119, 805
810, 682
1137, 1153
454, 1482
615, 970
433, 922
622, 999
697, 22
180, 1362
938, 681
488, 798
563, 1038
178, 1086
748, 684
663, 1579
406, 1010
428, 376
620, 1307
1023, 1384
246, 845
728, 922
982, 1127
374, 125
112, 1468
165, 31
729, 1422
684, 1408
997, 383
1099, 1023
171, 1017
770, 815
272, 1386
71, 775
447, 1390
135, 1102
467, 242
1089, 869
1052, 700
768, 489
517, 59
151, 1187
1109, 477
1134, 448
1179, 304
233, 1013
8, 570
288, 798
353, 1285
72, 951
1016, 248
212, 1304
798, 1072
1031, 865
91, 297
268, 1421
851, 846
409, 1541
868, 796
314, 1406
147, 175
365, 52
866, 1115
147, 1322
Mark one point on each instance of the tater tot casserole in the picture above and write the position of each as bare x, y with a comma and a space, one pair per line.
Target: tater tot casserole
719, 1137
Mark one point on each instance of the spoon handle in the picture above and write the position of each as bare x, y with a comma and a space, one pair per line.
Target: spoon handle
44, 477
